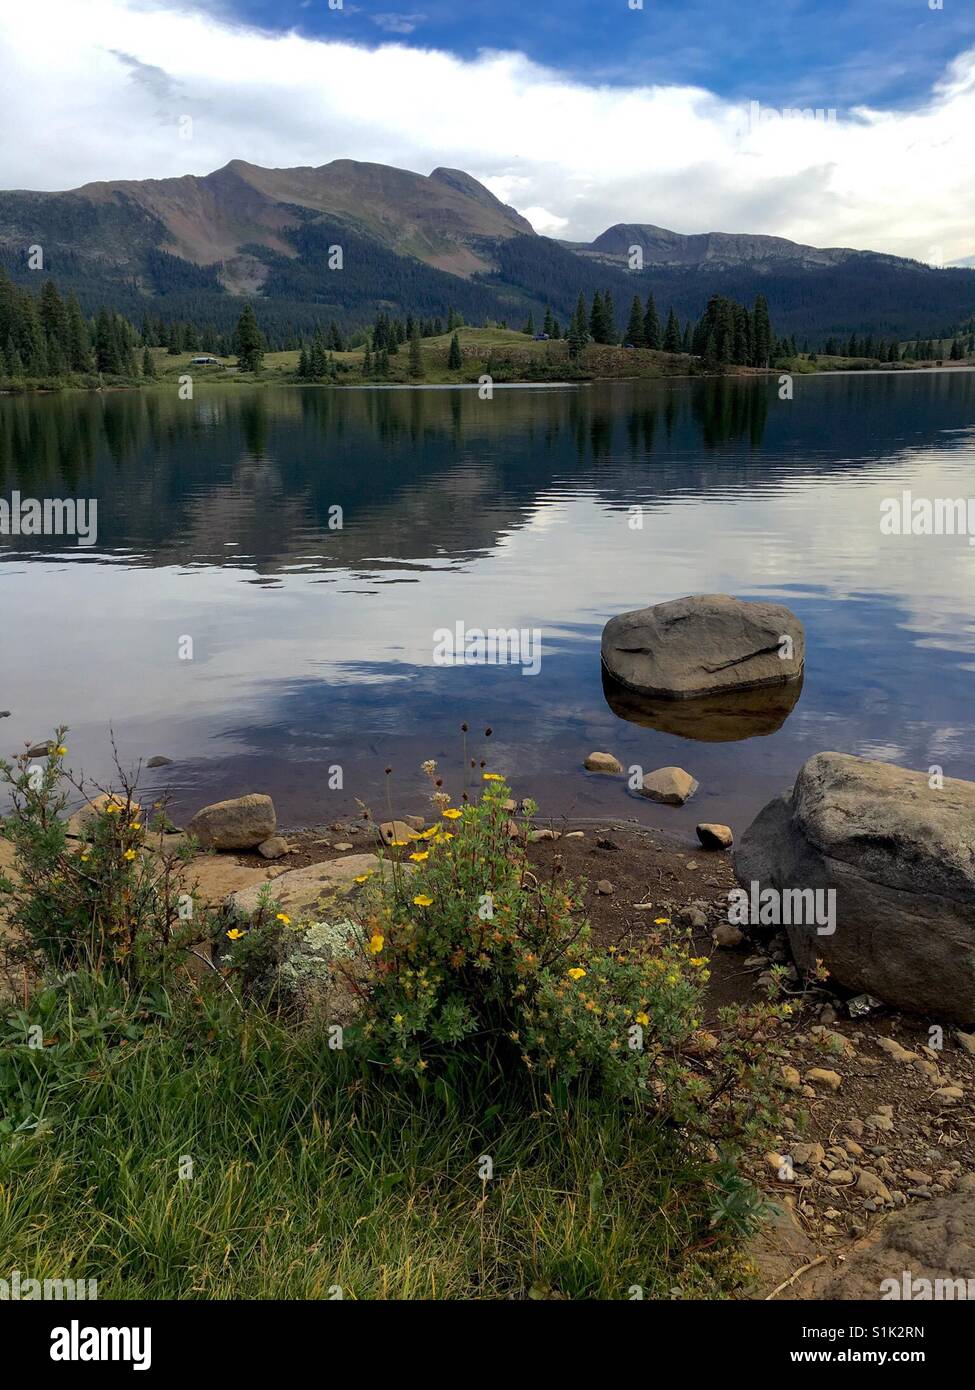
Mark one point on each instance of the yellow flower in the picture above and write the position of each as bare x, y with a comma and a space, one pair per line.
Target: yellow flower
429, 834
361, 878
448, 835
422, 900
129, 854
85, 858
451, 813
642, 1018
235, 935
419, 857
376, 943
661, 921
576, 973
61, 750
111, 809
491, 777
698, 961
283, 917
397, 1019
398, 844
136, 825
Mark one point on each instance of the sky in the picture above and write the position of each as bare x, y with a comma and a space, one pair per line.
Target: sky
580, 113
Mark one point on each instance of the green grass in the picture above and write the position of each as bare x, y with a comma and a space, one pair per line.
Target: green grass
309, 1175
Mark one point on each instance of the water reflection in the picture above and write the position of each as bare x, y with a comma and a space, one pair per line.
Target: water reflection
544, 508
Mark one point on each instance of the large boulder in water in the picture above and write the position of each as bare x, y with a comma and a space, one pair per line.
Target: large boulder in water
703, 645
900, 855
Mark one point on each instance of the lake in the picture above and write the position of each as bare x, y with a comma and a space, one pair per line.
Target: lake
544, 508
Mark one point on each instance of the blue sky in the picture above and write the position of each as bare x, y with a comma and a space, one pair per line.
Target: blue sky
831, 53
831, 122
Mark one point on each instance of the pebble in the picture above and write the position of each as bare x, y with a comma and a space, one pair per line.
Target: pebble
820, 1076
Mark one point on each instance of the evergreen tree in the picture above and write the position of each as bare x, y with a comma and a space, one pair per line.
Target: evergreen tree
761, 332
578, 331
634, 328
148, 365
454, 359
549, 325
248, 343
651, 324
672, 338
416, 356
529, 328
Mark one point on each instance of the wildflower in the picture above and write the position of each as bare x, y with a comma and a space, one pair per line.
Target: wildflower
429, 834
129, 855
397, 1019
661, 921
698, 961
136, 825
428, 767
452, 813
283, 917
492, 777
85, 858
61, 750
423, 900
361, 878
376, 943
576, 973
111, 809
235, 934
642, 1018
448, 835
399, 844
419, 857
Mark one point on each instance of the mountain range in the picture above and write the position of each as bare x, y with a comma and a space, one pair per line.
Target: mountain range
190, 247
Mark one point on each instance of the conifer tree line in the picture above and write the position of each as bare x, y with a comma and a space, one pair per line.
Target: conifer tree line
45, 336
954, 348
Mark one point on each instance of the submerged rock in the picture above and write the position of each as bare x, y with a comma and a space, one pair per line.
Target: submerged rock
898, 855
703, 645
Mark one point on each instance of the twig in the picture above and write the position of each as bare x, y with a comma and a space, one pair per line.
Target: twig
793, 1277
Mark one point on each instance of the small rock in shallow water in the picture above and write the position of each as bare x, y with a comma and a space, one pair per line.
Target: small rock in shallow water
671, 786
603, 762
159, 761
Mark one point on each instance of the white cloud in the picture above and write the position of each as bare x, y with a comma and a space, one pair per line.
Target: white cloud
96, 90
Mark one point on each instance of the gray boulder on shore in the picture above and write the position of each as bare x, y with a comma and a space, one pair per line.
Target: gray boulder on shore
900, 855
241, 823
702, 645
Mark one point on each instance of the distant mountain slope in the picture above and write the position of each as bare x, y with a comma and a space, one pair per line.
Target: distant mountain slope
187, 247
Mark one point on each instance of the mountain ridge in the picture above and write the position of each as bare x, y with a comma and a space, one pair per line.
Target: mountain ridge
413, 240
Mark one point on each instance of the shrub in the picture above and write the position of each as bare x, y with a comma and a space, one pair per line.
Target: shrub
472, 956
101, 898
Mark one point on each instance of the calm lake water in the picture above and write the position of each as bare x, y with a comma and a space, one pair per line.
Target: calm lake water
313, 646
